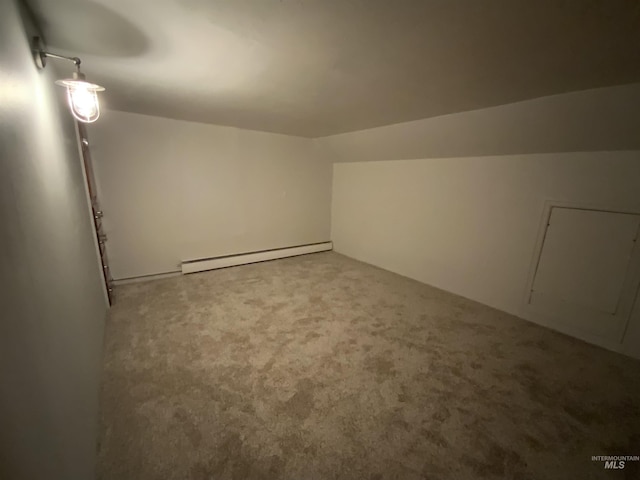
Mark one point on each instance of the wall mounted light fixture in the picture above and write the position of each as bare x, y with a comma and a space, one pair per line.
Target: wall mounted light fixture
82, 95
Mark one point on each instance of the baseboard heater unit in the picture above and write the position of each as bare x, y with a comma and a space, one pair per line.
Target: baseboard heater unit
201, 265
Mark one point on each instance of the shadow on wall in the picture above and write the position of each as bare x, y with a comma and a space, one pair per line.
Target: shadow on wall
86, 27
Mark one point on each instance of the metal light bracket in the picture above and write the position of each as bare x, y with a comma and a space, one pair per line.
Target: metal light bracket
40, 54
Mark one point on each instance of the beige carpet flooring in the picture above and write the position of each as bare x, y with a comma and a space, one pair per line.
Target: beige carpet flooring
322, 367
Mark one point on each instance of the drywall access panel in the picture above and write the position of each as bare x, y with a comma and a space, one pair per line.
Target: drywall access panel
586, 272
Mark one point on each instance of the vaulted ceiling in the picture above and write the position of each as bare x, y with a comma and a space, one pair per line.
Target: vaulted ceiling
319, 67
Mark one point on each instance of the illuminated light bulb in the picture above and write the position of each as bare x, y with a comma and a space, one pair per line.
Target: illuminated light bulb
83, 97
84, 103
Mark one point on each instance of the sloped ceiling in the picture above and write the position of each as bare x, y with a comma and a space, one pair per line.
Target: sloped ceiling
319, 67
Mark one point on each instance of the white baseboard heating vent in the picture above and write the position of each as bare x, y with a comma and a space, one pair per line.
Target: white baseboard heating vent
201, 265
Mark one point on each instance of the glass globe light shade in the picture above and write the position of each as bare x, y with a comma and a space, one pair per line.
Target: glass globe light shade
83, 97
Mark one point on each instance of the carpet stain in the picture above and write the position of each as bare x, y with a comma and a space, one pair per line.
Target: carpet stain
381, 366
301, 404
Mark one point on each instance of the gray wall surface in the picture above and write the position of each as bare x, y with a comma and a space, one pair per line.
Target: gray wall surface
52, 303
597, 120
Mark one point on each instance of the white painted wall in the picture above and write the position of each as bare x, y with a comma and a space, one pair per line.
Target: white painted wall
173, 190
52, 301
602, 119
469, 224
